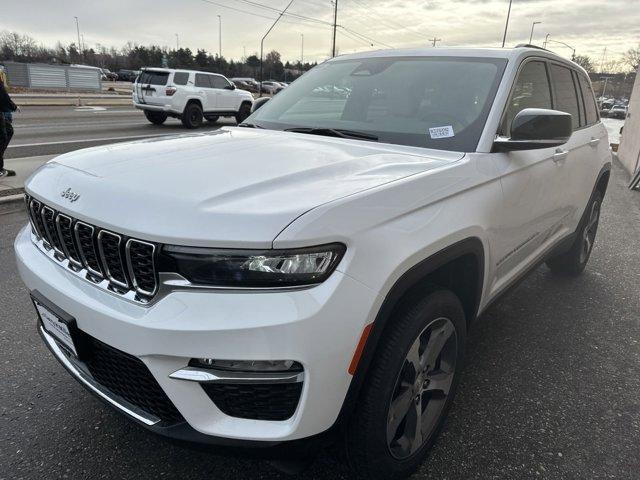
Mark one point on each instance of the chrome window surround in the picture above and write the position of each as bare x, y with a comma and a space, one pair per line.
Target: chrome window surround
118, 283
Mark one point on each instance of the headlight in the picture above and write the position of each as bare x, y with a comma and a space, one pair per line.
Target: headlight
252, 268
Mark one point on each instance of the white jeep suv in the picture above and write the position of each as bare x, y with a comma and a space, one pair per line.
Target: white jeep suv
189, 95
313, 273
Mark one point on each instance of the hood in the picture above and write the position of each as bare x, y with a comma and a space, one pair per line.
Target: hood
234, 187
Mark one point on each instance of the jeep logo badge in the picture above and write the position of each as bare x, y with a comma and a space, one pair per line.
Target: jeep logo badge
69, 195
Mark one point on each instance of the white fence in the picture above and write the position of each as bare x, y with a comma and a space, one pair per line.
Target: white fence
53, 77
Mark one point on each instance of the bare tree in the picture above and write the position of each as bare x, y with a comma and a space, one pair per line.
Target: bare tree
585, 62
632, 58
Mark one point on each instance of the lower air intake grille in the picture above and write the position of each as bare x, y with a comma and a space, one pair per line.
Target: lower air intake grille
256, 402
129, 378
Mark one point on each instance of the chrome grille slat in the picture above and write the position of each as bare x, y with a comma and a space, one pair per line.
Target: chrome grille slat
64, 225
111, 256
48, 215
141, 264
84, 234
121, 265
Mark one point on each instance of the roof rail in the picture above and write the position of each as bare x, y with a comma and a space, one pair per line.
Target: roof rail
528, 45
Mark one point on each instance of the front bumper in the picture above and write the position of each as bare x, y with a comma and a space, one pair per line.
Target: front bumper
318, 327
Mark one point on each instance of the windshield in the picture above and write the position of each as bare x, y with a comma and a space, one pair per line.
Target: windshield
434, 102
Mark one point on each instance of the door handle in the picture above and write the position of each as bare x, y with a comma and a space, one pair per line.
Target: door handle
594, 142
560, 155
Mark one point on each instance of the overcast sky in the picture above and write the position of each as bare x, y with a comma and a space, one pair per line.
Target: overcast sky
588, 25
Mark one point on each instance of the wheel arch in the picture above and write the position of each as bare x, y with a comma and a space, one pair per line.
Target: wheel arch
191, 100
459, 267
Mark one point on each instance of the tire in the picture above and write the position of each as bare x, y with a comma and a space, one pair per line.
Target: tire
212, 118
192, 115
573, 261
157, 118
243, 113
379, 444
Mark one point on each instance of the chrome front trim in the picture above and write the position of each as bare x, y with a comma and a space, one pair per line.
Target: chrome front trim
202, 375
127, 253
77, 371
93, 272
51, 236
101, 235
72, 261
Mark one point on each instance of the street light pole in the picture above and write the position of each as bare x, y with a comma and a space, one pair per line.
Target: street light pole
301, 49
220, 36
533, 25
177, 42
78, 31
262, 42
335, 26
546, 40
506, 25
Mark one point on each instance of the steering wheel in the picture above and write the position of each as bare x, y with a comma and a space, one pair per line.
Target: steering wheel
440, 119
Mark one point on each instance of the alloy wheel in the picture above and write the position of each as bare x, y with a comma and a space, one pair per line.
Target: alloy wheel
422, 388
589, 232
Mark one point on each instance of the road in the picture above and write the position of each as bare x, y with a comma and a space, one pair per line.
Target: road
551, 388
54, 130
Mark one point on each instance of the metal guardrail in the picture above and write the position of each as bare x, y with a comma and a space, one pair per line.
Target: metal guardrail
54, 77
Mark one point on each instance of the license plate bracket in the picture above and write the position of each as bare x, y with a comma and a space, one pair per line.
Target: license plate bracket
59, 324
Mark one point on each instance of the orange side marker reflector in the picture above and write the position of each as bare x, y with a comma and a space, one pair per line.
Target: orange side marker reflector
359, 349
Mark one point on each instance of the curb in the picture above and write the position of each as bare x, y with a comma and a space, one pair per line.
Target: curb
12, 198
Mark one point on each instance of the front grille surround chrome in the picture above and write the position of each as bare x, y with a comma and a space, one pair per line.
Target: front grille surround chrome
97, 255
132, 273
102, 234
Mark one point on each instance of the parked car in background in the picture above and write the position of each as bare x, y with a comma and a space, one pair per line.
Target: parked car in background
127, 75
312, 275
244, 84
189, 95
618, 111
108, 75
271, 86
252, 82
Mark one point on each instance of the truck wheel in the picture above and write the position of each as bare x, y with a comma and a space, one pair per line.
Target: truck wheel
212, 118
243, 113
157, 118
574, 261
409, 388
192, 115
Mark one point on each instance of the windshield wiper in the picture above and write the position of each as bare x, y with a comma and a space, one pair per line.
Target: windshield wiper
334, 132
249, 125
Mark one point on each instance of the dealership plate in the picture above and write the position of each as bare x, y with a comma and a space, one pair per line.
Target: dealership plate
55, 326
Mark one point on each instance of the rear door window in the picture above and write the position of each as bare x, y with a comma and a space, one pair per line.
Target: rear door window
203, 80
589, 100
180, 78
531, 90
151, 77
565, 92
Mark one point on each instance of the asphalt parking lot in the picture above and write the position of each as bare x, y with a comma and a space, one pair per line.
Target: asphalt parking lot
551, 388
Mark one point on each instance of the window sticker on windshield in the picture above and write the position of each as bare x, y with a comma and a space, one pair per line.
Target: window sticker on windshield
442, 132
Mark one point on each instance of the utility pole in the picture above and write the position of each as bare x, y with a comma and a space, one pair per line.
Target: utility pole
335, 27
220, 36
262, 42
177, 42
301, 49
83, 44
78, 31
506, 25
434, 40
533, 25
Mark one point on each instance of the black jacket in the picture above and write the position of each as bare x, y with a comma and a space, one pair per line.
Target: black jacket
6, 104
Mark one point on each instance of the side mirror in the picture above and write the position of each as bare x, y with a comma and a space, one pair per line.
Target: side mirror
535, 128
259, 102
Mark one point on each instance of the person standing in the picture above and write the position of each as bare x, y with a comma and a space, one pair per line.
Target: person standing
7, 107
